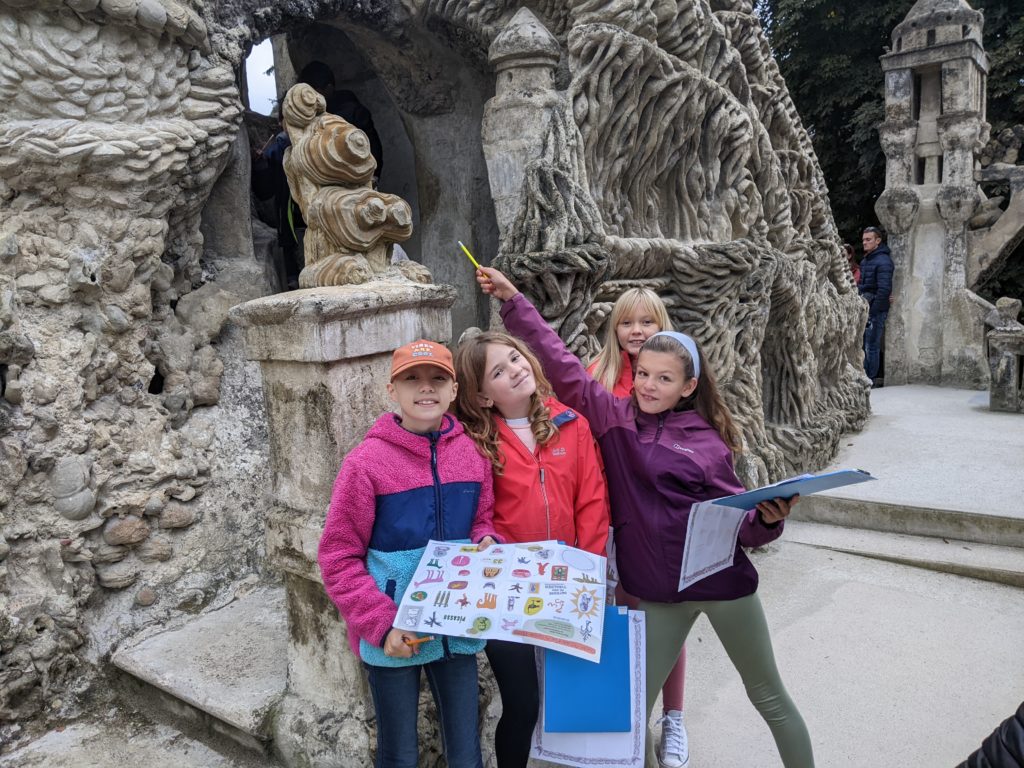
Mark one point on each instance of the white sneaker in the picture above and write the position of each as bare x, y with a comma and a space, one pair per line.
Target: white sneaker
674, 751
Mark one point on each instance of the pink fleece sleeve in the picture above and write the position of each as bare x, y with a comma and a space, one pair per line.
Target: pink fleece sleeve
483, 523
367, 611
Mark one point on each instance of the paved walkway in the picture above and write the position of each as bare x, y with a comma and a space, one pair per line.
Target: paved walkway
938, 448
890, 665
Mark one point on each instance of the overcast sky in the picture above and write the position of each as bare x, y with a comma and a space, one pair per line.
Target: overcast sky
262, 89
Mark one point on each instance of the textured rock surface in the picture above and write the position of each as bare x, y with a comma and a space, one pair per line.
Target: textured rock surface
665, 151
118, 415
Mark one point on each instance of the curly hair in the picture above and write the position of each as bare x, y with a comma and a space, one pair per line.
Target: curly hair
480, 424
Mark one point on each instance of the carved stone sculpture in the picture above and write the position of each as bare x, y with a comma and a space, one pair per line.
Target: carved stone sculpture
351, 226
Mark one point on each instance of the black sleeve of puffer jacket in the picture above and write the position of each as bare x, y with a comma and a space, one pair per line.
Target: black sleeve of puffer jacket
1004, 748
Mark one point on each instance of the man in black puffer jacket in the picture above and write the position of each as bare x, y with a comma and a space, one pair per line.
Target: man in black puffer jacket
876, 270
1004, 748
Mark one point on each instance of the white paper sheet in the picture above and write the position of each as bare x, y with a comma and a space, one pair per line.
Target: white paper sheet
590, 750
541, 593
710, 541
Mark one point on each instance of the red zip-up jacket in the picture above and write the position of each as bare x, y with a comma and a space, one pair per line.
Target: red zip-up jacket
557, 492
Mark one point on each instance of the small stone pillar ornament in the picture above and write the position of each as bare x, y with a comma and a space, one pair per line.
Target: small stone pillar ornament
350, 225
325, 359
1006, 357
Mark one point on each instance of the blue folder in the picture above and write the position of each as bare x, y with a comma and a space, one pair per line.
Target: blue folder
583, 697
804, 485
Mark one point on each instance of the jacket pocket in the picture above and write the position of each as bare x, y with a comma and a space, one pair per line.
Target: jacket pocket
389, 588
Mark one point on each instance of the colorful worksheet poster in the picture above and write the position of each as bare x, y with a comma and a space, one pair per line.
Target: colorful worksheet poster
542, 593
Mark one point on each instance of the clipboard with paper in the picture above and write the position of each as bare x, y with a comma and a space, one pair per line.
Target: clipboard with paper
713, 526
585, 719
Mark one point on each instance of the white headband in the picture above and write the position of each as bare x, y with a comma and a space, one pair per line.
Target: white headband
688, 344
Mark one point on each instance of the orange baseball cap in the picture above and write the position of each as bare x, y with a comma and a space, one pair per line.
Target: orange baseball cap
422, 352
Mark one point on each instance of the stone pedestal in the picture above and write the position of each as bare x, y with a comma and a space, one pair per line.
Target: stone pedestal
325, 357
1006, 365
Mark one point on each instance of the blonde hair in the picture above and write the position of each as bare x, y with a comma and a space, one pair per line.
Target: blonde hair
705, 399
609, 359
480, 424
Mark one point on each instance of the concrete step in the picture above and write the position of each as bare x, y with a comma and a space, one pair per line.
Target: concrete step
946, 466
218, 676
1002, 565
900, 518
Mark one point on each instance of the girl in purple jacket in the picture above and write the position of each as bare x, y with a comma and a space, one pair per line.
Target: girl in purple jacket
665, 448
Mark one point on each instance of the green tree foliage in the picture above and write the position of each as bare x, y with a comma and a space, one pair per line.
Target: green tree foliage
828, 52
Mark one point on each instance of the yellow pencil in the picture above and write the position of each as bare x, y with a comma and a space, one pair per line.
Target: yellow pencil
469, 255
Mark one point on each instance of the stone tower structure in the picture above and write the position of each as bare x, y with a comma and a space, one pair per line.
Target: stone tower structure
935, 123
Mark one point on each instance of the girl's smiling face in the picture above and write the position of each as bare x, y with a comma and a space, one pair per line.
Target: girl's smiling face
661, 382
634, 329
508, 382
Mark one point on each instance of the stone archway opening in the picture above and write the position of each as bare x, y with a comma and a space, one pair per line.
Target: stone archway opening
426, 97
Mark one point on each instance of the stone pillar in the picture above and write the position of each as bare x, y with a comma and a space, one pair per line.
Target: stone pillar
325, 357
1006, 357
935, 123
515, 121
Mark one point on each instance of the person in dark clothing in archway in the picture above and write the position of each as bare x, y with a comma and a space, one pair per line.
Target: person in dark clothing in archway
876, 269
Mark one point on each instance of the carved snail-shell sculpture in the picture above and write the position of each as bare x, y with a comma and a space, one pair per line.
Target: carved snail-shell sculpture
350, 226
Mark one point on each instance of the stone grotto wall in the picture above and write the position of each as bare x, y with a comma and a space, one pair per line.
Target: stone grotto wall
132, 450
661, 148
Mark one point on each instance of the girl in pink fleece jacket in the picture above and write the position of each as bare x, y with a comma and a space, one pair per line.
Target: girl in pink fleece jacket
416, 476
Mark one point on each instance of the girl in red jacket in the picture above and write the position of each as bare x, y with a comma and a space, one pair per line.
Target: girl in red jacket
547, 485
638, 314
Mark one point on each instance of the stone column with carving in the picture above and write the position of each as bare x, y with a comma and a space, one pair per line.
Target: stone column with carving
325, 357
516, 119
935, 124
1006, 357
897, 207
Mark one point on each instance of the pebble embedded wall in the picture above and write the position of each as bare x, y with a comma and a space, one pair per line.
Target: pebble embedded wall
121, 393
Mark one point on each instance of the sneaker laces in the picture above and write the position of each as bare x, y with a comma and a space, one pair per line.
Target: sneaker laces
674, 746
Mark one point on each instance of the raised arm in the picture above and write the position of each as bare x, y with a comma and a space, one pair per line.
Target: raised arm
573, 385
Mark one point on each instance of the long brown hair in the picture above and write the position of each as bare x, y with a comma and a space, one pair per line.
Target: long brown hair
705, 399
609, 359
480, 424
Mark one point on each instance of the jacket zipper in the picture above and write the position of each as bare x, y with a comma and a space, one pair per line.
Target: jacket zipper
661, 424
438, 517
547, 505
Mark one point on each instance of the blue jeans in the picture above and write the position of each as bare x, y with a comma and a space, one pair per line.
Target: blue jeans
873, 335
396, 695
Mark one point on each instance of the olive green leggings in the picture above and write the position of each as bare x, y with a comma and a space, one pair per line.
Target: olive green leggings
741, 626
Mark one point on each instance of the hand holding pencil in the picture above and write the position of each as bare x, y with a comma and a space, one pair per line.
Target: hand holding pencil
491, 281
403, 645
